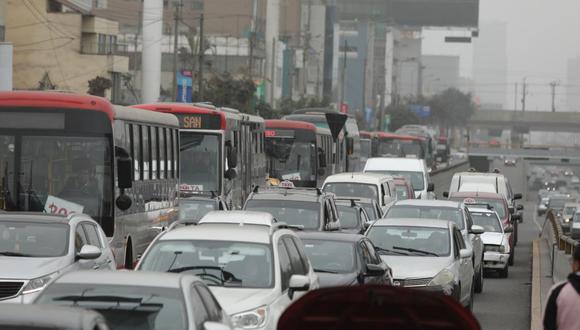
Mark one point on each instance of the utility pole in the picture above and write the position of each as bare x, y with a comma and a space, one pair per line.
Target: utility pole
364, 87
516, 97
201, 59
176, 19
524, 94
252, 38
343, 76
307, 37
553, 86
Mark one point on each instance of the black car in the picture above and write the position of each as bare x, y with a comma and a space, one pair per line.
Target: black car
342, 259
353, 217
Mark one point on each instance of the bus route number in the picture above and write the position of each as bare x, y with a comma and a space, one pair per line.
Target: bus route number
192, 122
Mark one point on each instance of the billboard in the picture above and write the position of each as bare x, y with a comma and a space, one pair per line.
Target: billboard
414, 13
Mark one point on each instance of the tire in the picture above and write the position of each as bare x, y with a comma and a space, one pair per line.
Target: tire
511, 259
478, 283
515, 233
504, 272
129, 255
471, 298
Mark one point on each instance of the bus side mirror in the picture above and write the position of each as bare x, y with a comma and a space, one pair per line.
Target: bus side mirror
124, 169
430, 187
232, 157
231, 173
321, 158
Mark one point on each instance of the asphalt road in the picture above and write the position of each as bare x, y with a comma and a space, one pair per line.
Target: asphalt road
505, 303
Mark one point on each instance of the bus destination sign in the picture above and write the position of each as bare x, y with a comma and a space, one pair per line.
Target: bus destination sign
200, 121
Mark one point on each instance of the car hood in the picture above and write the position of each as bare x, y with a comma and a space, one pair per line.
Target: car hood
329, 280
22, 268
492, 238
237, 300
415, 267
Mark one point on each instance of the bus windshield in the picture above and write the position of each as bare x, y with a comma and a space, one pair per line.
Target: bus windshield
56, 174
412, 148
389, 148
200, 162
291, 160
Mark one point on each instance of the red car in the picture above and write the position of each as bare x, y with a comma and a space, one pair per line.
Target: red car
404, 189
499, 204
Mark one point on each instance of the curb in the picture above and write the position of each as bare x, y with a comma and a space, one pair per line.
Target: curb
536, 305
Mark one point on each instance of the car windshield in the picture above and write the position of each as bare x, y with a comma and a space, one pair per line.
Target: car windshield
124, 307
558, 203
401, 192
218, 263
56, 174
200, 159
291, 160
416, 178
412, 241
370, 209
195, 209
570, 209
33, 239
488, 221
348, 216
389, 148
330, 256
426, 212
352, 190
498, 205
296, 213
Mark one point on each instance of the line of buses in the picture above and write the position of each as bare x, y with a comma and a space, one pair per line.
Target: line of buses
127, 166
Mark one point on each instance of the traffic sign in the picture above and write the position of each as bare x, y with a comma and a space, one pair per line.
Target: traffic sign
335, 122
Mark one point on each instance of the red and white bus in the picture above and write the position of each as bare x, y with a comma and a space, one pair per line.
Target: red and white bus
299, 152
221, 151
65, 153
397, 145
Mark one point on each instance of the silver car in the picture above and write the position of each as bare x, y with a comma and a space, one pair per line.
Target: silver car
140, 300
35, 248
427, 254
36, 317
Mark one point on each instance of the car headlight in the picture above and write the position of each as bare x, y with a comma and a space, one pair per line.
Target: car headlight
251, 319
39, 283
567, 220
494, 248
445, 277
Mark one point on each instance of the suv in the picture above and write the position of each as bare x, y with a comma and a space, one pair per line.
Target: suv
36, 247
254, 265
455, 212
194, 207
306, 209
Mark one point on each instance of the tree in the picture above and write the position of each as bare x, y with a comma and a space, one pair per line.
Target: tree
451, 108
400, 115
227, 91
98, 86
288, 105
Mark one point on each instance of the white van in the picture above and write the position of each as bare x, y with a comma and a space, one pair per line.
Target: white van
375, 186
414, 170
483, 182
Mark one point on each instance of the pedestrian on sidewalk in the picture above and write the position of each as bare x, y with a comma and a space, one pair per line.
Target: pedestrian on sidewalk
563, 306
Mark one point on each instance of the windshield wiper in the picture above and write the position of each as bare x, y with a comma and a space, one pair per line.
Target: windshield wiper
14, 254
325, 271
226, 277
387, 251
416, 251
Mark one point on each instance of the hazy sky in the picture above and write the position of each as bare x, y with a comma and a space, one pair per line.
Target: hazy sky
542, 35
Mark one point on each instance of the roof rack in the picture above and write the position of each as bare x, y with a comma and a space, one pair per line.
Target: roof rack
480, 204
319, 191
353, 200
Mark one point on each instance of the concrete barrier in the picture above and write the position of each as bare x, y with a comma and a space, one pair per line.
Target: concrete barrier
441, 178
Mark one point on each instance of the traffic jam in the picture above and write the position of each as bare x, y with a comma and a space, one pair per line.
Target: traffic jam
189, 216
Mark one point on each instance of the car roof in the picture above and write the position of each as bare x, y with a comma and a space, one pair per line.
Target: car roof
480, 174
39, 217
326, 236
476, 194
295, 194
426, 202
123, 278
394, 164
413, 222
358, 177
45, 316
219, 232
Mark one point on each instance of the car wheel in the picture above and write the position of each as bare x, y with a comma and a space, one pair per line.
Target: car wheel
515, 233
511, 259
504, 272
479, 280
471, 297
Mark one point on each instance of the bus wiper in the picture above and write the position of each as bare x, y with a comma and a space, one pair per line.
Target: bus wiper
14, 254
317, 270
416, 251
388, 251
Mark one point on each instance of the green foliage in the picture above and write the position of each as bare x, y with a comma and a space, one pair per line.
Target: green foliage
400, 115
227, 91
286, 106
98, 86
451, 108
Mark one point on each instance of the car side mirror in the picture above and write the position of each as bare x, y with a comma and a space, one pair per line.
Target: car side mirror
387, 200
477, 230
333, 226
430, 187
374, 270
298, 283
508, 229
209, 325
446, 194
520, 207
231, 173
367, 224
465, 254
89, 252
518, 196
515, 217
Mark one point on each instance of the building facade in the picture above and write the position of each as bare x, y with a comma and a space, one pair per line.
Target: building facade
440, 72
63, 47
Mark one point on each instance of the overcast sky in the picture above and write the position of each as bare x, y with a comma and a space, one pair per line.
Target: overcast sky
542, 35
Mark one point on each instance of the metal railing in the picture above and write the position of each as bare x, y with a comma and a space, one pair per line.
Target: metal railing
564, 242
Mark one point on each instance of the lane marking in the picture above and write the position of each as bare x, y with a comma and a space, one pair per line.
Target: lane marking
536, 221
536, 305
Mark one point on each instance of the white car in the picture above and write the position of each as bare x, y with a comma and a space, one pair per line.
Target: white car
426, 254
495, 240
363, 185
414, 170
37, 247
255, 266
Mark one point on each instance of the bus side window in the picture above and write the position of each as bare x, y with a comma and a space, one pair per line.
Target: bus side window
154, 153
146, 152
162, 153
175, 160
136, 152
